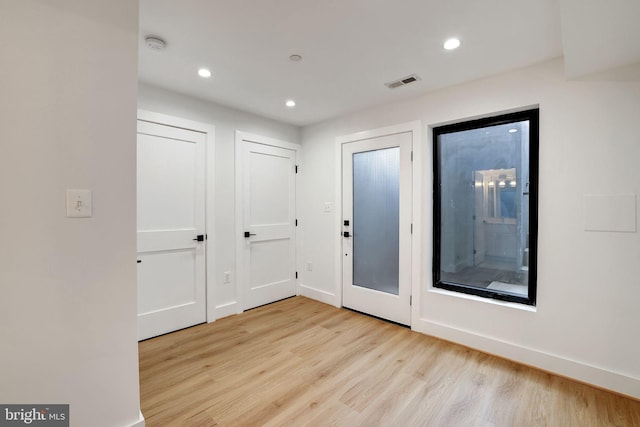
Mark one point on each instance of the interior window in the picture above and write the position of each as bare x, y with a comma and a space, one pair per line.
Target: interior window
485, 206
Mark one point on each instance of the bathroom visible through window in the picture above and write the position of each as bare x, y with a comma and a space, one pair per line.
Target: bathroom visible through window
485, 206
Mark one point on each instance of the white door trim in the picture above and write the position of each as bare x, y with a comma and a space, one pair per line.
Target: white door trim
239, 205
418, 189
209, 130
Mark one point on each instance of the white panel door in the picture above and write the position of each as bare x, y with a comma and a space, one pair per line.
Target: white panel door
376, 242
171, 217
268, 218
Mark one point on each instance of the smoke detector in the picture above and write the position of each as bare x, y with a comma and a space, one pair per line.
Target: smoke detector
155, 42
403, 81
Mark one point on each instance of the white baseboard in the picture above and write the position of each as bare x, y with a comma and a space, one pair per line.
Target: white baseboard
228, 309
140, 422
319, 295
562, 366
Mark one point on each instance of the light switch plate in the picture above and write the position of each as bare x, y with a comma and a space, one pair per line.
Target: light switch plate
79, 204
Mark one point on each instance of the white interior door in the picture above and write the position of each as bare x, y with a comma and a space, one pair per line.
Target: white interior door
268, 223
376, 239
171, 217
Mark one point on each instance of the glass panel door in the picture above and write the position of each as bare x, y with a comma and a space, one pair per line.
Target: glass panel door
376, 208
376, 242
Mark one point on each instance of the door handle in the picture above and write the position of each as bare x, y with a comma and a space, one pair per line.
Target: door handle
199, 238
248, 234
346, 234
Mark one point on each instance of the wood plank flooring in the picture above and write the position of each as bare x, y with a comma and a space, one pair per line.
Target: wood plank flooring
299, 362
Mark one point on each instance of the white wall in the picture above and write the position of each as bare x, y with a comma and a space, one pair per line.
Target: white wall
226, 122
585, 324
68, 286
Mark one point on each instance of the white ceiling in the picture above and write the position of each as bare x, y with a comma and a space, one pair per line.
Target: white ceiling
350, 48
600, 35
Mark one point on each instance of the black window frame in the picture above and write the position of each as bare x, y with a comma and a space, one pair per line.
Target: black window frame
533, 116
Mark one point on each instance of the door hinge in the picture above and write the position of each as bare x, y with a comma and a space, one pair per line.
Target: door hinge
296, 274
411, 228
296, 222
410, 299
412, 156
296, 168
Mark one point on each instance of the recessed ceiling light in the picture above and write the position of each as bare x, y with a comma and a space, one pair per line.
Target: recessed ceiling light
452, 44
290, 103
513, 130
295, 57
203, 72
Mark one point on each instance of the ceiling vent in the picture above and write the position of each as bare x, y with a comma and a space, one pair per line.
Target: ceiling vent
403, 81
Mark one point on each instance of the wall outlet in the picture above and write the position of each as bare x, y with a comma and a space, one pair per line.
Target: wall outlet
328, 207
227, 277
309, 266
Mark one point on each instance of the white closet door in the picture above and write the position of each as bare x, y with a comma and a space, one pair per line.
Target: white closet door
268, 218
171, 227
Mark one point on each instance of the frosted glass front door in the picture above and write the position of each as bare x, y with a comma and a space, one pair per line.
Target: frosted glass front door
376, 208
376, 239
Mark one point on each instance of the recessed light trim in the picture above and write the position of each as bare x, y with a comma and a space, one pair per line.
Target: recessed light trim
295, 57
452, 43
204, 73
290, 103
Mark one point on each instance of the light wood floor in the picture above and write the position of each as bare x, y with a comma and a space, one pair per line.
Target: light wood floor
299, 362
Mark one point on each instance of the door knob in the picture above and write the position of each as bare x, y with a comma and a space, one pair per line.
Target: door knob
199, 238
248, 234
346, 234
